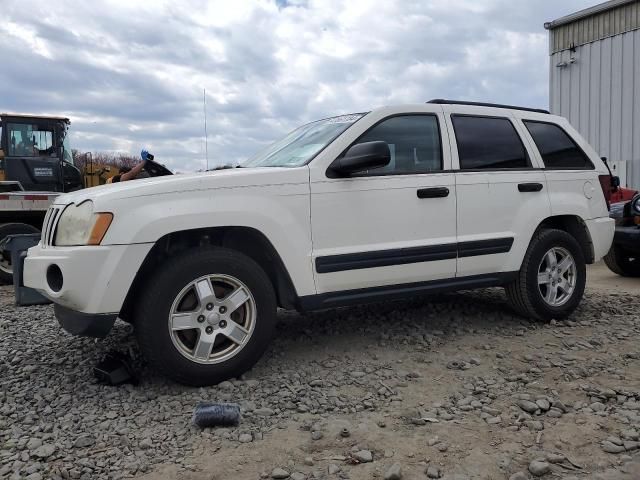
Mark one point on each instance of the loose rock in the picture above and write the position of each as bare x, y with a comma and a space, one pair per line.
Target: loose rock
394, 472
280, 473
538, 468
363, 456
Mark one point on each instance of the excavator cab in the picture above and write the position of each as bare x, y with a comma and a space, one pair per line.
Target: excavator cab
35, 154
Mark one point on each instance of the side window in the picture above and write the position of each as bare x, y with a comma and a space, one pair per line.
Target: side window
557, 148
488, 142
414, 142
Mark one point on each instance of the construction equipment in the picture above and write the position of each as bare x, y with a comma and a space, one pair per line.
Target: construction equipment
35, 152
36, 165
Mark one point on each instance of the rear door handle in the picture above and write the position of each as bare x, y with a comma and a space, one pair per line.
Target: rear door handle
529, 187
434, 192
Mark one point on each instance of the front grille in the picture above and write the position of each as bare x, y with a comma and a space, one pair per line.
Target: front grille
49, 226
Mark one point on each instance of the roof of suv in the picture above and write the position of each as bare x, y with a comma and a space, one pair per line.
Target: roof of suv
442, 101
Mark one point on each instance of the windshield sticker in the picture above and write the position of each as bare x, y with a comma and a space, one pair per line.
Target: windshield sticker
345, 118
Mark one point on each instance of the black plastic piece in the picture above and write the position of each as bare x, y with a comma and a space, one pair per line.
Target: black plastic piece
433, 192
442, 101
490, 246
84, 324
529, 187
360, 157
216, 415
398, 292
384, 258
115, 369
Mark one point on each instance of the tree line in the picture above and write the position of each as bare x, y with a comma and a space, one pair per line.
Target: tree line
84, 159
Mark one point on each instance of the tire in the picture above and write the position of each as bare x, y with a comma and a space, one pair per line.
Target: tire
527, 296
179, 351
621, 263
6, 270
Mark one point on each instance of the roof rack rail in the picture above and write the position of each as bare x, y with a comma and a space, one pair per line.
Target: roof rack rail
442, 101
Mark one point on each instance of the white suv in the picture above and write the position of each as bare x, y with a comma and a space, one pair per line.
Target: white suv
392, 203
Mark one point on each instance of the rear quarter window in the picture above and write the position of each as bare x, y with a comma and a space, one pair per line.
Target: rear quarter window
557, 148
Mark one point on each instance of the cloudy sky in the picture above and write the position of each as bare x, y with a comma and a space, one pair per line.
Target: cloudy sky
132, 73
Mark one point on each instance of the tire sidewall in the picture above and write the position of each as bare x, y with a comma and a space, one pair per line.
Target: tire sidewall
623, 262
539, 249
152, 328
7, 229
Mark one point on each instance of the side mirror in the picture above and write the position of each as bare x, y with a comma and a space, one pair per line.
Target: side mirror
360, 157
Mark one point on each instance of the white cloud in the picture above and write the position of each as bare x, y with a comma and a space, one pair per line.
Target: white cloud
131, 74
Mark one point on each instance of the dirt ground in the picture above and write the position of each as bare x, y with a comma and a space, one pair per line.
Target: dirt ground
437, 385
562, 363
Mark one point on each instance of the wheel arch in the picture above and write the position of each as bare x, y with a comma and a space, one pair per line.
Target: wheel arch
574, 226
247, 240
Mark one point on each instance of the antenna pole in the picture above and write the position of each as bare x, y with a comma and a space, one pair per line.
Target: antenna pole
206, 138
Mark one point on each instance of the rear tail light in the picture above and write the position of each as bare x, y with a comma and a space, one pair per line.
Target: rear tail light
607, 187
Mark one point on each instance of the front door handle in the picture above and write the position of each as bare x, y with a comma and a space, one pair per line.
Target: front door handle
529, 187
434, 192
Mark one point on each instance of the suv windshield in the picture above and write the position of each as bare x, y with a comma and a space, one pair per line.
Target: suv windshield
303, 143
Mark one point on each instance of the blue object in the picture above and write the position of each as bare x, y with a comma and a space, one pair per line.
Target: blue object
144, 155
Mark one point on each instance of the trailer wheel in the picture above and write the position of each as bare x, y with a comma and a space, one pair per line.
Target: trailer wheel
6, 270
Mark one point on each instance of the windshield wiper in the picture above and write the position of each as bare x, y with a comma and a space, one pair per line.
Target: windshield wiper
224, 167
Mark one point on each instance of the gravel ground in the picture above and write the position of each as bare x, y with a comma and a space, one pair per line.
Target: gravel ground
452, 387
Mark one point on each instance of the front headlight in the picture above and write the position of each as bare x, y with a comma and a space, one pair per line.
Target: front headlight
78, 225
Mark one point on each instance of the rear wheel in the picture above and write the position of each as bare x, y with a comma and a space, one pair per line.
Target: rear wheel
206, 316
622, 263
552, 278
6, 229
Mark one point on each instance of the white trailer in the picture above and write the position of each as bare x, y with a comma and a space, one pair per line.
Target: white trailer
20, 212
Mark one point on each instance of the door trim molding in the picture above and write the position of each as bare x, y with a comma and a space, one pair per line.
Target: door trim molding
484, 247
385, 258
403, 256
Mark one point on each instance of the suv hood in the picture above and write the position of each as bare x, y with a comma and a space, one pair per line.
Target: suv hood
166, 184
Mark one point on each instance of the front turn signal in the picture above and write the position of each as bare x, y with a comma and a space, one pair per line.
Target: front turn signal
100, 227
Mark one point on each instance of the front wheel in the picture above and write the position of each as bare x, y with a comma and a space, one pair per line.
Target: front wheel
622, 263
551, 281
206, 316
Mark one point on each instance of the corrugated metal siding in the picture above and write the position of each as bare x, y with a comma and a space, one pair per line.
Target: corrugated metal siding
600, 95
596, 27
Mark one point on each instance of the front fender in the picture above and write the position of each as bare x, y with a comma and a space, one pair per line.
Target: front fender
281, 213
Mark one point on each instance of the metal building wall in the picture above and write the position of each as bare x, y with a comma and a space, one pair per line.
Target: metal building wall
617, 17
600, 95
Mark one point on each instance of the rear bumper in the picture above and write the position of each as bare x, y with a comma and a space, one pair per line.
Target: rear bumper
85, 324
601, 231
628, 238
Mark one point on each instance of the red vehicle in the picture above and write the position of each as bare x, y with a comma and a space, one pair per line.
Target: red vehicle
622, 194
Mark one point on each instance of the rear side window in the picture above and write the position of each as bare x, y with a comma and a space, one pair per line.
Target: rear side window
557, 148
488, 143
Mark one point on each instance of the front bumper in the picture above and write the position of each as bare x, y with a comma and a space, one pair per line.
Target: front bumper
94, 279
628, 238
84, 324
